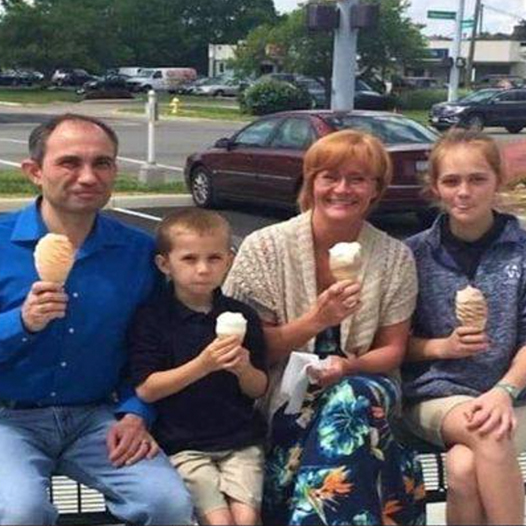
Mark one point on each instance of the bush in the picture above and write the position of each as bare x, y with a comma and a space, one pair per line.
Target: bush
423, 99
271, 96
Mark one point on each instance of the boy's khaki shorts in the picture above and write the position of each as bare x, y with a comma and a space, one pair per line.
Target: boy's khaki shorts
425, 419
210, 476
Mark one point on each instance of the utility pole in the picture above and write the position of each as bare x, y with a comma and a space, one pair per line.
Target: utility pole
344, 60
454, 74
471, 54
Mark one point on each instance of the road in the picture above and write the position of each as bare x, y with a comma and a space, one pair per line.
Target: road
175, 139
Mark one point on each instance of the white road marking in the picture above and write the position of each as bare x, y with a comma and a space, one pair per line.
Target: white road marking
9, 163
17, 141
125, 211
138, 161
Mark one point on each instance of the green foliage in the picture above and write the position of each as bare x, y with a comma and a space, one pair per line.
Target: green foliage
423, 99
98, 34
396, 40
272, 96
14, 183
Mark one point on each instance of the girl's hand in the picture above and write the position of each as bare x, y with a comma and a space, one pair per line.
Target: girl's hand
492, 414
336, 303
464, 342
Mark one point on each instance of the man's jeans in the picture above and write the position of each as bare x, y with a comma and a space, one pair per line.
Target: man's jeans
71, 441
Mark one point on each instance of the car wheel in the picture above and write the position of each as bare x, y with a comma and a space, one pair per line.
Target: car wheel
219, 93
514, 129
146, 88
201, 187
475, 122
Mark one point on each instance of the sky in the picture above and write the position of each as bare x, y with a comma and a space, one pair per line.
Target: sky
499, 15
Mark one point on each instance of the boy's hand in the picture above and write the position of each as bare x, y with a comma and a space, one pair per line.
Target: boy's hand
240, 361
45, 302
220, 354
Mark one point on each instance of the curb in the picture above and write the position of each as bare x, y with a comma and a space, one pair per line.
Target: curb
117, 201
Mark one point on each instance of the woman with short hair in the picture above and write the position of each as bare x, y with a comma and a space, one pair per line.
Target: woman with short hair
336, 461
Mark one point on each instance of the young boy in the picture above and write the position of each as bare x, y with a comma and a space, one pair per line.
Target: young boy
203, 386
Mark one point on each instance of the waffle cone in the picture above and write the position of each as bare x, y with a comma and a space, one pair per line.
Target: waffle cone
54, 258
471, 308
342, 273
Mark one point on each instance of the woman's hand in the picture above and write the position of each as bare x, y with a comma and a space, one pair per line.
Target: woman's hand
492, 413
336, 367
336, 303
464, 342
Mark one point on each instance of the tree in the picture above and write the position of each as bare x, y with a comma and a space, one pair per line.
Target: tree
97, 34
396, 40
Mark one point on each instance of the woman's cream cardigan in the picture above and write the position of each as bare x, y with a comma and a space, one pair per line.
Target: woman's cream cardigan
275, 273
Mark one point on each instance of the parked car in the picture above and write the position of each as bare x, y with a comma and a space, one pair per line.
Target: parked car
112, 86
71, 77
365, 98
489, 107
499, 81
221, 88
19, 77
263, 162
417, 83
161, 79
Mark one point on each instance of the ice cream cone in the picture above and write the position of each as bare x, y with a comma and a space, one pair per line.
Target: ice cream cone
471, 308
231, 324
54, 258
345, 261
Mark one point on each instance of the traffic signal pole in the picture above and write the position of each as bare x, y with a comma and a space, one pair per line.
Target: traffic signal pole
344, 59
454, 74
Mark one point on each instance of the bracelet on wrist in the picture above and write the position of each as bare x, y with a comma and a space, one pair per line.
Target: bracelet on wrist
512, 390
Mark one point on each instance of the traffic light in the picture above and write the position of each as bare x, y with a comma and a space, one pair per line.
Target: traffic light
322, 17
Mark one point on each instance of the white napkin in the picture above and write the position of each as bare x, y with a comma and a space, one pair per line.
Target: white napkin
296, 379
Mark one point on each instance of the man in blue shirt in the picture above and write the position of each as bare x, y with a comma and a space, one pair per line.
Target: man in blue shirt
62, 347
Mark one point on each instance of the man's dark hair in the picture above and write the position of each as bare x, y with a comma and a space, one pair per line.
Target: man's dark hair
40, 135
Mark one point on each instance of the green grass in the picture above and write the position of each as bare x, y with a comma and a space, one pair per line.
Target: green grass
418, 115
37, 95
14, 184
197, 112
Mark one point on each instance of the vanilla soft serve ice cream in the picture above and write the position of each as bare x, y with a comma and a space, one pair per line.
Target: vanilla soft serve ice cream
230, 324
345, 260
54, 257
471, 308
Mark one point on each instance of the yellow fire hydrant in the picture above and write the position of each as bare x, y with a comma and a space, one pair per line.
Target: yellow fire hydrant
174, 105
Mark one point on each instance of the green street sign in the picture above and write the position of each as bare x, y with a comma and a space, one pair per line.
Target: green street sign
442, 15
468, 23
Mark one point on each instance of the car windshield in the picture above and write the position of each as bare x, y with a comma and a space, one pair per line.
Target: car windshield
479, 96
391, 129
360, 85
145, 73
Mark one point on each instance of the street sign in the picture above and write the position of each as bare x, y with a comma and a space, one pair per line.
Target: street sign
466, 24
443, 15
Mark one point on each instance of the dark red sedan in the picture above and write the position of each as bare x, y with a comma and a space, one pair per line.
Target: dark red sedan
263, 162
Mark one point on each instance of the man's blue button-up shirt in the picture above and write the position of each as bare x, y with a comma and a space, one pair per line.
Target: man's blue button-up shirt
78, 359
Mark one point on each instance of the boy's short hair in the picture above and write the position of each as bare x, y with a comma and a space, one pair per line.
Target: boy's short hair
194, 220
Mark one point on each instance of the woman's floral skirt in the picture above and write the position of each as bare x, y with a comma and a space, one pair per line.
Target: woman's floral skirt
336, 462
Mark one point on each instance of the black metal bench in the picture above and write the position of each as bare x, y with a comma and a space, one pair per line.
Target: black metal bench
77, 504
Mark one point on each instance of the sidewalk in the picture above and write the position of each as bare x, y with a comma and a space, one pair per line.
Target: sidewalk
117, 201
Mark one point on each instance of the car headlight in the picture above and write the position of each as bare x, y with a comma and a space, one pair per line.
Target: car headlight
454, 110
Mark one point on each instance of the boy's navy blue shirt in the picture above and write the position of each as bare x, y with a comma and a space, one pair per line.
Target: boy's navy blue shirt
212, 414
